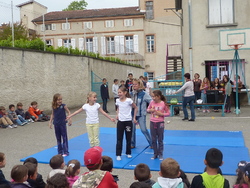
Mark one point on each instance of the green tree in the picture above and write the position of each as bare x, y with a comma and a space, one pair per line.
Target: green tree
76, 5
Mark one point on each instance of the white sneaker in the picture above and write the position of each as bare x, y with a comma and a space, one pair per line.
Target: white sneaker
129, 156
208, 111
14, 125
118, 158
9, 126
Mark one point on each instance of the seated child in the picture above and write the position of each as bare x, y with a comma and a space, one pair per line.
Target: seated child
72, 171
5, 120
184, 178
142, 174
140, 185
107, 165
213, 160
240, 171
32, 174
36, 114
38, 182
58, 180
57, 164
20, 112
169, 172
95, 176
19, 174
19, 120
3, 181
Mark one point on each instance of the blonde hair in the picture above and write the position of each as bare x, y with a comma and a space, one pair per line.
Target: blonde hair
90, 94
140, 83
169, 168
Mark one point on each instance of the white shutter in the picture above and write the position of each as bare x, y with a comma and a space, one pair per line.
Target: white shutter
122, 44
117, 44
136, 44
51, 42
68, 26
103, 46
59, 42
81, 44
227, 11
42, 27
95, 44
53, 26
73, 43
214, 12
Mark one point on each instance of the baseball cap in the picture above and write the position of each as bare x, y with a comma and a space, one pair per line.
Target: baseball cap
242, 165
93, 156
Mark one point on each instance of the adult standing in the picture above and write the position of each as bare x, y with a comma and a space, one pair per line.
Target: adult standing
197, 84
239, 82
188, 97
141, 99
104, 94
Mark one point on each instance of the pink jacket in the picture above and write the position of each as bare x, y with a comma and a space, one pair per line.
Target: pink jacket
162, 107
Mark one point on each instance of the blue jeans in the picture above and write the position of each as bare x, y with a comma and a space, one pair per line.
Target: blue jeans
204, 100
104, 104
142, 122
20, 120
189, 100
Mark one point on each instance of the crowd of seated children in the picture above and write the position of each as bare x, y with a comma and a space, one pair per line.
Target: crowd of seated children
5, 121
18, 120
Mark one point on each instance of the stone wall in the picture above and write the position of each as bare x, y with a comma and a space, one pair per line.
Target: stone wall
28, 76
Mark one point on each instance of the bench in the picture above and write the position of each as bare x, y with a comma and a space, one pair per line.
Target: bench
198, 105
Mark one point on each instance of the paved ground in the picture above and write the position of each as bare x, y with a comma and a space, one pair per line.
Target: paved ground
23, 141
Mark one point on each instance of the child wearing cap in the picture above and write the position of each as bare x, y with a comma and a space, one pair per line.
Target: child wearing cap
211, 177
95, 177
241, 171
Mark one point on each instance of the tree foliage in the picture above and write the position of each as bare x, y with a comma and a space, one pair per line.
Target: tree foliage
76, 5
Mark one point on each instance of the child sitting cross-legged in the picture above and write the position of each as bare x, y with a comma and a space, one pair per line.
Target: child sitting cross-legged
19, 174
5, 121
142, 174
21, 113
19, 120
57, 164
169, 172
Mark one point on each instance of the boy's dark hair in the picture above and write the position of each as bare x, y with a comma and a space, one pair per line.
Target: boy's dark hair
214, 158
115, 80
19, 104
142, 172
31, 160
59, 180
139, 185
122, 81
56, 161
107, 164
2, 108
187, 75
11, 106
2, 156
104, 79
184, 178
130, 74
18, 172
33, 103
32, 169
169, 168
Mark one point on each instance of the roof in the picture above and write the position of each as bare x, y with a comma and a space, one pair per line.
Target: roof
90, 13
29, 2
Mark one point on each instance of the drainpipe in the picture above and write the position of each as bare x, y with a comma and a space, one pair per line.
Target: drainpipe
190, 37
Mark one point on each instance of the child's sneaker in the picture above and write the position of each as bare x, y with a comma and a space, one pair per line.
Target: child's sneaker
118, 158
65, 155
129, 156
24, 123
160, 157
204, 111
208, 111
14, 125
9, 126
154, 157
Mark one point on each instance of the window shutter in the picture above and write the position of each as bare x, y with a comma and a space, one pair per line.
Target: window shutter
214, 12
68, 25
95, 45
73, 43
53, 27
122, 44
136, 44
227, 11
117, 44
81, 44
103, 46
42, 27
51, 42
59, 42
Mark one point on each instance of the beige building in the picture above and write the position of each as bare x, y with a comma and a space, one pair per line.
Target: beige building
141, 35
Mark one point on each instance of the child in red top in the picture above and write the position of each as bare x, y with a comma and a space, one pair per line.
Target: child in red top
158, 110
34, 111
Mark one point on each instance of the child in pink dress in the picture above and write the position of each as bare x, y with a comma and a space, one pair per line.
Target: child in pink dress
158, 110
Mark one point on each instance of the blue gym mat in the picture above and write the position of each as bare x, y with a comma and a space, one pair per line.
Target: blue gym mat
186, 147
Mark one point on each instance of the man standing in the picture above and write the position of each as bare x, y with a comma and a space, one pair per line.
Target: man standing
104, 94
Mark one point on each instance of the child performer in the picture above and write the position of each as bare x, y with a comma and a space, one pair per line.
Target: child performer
58, 117
92, 120
124, 124
158, 110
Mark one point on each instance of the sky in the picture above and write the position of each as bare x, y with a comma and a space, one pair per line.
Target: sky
58, 5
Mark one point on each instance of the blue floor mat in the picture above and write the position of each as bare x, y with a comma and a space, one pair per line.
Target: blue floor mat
186, 147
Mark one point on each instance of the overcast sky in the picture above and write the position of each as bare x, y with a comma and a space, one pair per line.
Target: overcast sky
58, 5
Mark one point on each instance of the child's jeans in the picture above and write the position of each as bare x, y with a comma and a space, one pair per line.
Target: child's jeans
20, 120
157, 135
204, 100
39, 116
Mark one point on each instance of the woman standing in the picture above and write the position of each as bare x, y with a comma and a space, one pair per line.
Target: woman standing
197, 84
141, 99
189, 97
205, 85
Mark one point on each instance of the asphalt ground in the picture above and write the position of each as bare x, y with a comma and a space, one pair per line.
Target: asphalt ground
23, 141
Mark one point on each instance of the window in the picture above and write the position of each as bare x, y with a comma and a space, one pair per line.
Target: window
221, 11
48, 27
150, 41
110, 45
109, 23
87, 25
129, 44
149, 10
150, 75
49, 42
89, 44
128, 22
67, 43
65, 26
